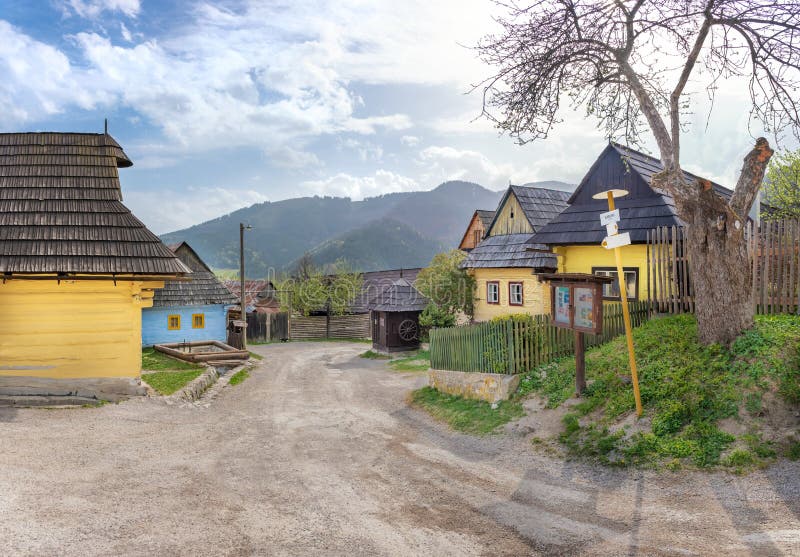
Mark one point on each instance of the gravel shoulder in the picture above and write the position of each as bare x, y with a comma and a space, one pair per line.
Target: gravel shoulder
317, 453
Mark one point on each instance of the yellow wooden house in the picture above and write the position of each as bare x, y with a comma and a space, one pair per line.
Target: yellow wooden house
504, 263
77, 269
576, 233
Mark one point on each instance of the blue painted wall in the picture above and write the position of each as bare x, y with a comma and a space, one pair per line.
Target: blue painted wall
155, 331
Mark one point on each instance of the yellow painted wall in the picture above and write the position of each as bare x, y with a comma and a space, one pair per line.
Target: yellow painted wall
535, 298
505, 224
75, 329
581, 259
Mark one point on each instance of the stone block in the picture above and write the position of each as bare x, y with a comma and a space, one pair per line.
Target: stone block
491, 387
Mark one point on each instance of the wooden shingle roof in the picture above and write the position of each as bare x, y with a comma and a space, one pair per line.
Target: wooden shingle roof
400, 296
643, 209
540, 205
61, 209
486, 217
374, 283
203, 287
509, 250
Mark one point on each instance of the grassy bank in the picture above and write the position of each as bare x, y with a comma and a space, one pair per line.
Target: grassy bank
469, 416
418, 361
169, 382
238, 377
704, 406
152, 360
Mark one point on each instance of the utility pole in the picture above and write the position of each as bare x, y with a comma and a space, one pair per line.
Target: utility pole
243, 298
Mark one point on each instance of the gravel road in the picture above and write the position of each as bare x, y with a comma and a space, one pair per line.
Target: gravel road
317, 453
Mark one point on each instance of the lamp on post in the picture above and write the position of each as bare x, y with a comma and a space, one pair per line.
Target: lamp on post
243, 298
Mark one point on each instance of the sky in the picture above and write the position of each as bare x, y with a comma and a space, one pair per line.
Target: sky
224, 104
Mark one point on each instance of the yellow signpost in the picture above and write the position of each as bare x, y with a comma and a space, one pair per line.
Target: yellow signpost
615, 241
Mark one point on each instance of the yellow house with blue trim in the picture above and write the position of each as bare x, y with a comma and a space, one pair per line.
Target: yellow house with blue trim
77, 268
576, 233
504, 263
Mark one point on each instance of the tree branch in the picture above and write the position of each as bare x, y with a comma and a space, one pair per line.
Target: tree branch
753, 170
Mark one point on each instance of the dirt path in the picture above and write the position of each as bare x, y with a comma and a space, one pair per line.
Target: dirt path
318, 454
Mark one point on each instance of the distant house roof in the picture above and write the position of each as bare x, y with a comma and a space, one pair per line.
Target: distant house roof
486, 217
375, 282
400, 296
257, 293
203, 288
643, 209
61, 209
509, 250
540, 205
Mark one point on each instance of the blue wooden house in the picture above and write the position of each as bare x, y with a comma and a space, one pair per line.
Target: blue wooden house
188, 310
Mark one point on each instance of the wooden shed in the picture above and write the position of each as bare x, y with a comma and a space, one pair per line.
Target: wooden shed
77, 270
395, 317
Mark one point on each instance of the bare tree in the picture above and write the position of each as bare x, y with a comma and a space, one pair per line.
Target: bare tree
628, 62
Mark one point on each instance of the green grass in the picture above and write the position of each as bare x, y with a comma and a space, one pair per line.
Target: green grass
372, 355
419, 361
153, 360
469, 416
168, 382
238, 377
686, 390
256, 356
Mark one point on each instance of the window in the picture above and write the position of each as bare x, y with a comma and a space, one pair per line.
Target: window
174, 322
477, 236
493, 292
198, 321
611, 290
515, 293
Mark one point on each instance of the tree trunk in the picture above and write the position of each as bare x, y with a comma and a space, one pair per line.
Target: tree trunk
721, 274
720, 268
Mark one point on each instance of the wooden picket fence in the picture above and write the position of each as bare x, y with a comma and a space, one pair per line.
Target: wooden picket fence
773, 246
521, 344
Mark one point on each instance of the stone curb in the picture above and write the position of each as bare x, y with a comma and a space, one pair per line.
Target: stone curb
195, 389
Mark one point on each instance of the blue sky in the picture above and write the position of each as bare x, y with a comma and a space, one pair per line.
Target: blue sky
224, 104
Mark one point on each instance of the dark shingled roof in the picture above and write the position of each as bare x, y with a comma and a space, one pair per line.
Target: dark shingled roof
643, 209
486, 217
203, 288
375, 282
400, 296
509, 250
540, 205
61, 209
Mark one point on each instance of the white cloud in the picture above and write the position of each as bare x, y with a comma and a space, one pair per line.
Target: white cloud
359, 187
293, 159
366, 150
439, 164
38, 79
91, 9
410, 140
176, 210
126, 34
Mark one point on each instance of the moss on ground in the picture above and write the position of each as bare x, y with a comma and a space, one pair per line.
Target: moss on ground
688, 392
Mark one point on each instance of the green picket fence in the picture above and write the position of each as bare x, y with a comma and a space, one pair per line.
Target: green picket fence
520, 344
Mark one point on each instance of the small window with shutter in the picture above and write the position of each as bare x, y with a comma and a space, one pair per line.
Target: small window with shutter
174, 322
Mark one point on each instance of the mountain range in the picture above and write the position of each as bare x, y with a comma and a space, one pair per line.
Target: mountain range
384, 232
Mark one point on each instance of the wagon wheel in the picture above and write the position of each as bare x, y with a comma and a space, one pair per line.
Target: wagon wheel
407, 330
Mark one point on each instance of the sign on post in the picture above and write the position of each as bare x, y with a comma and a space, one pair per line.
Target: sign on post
576, 302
